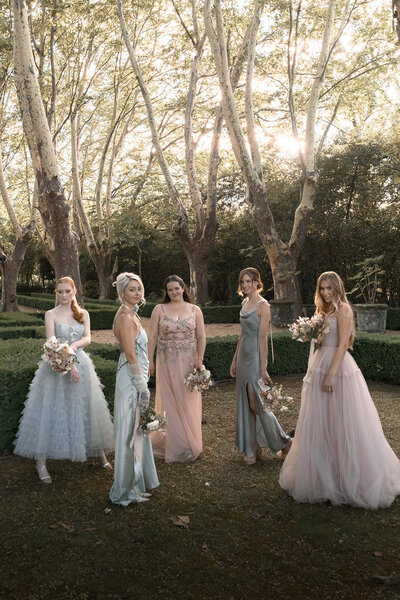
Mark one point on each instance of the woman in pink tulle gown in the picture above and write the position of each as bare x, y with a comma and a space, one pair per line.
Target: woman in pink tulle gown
339, 452
177, 327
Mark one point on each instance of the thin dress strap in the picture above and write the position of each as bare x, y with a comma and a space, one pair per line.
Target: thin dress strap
270, 329
162, 308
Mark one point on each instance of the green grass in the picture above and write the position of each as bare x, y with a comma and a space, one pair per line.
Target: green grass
246, 538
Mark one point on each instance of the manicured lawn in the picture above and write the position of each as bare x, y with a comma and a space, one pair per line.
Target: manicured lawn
245, 540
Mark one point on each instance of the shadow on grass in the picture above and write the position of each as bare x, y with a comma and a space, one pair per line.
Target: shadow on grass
246, 539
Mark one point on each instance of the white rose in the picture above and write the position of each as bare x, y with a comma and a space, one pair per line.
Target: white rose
153, 425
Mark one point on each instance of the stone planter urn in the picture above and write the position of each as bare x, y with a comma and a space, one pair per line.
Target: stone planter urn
371, 317
281, 312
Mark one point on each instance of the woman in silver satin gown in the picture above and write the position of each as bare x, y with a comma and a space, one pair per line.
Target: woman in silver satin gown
134, 468
255, 427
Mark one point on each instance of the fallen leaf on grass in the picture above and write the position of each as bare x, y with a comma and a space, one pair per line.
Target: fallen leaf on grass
107, 511
181, 521
386, 580
257, 515
378, 554
67, 527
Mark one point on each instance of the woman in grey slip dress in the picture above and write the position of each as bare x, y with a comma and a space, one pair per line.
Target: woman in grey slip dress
134, 468
256, 428
66, 415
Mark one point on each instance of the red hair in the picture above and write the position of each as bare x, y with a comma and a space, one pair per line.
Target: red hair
76, 309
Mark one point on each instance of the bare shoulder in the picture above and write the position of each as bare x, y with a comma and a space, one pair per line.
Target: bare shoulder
344, 312
156, 312
49, 315
197, 310
263, 306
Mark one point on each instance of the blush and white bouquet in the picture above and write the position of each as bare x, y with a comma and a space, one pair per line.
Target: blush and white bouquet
151, 421
273, 396
199, 379
59, 355
305, 329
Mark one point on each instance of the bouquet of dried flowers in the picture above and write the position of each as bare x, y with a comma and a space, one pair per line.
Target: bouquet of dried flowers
305, 329
151, 421
274, 396
59, 355
199, 379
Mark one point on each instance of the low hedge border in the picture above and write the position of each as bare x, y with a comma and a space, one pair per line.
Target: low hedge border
27, 331
378, 357
102, 312
20, 320
212, 314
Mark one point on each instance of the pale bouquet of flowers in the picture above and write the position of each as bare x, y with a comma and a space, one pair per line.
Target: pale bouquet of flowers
59, 355
150, 421
199, 379
274, 397
305, 329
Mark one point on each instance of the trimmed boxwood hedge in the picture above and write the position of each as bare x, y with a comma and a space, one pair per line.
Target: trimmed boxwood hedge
378, 356
19, 319
102, 311
212, 314
7, 333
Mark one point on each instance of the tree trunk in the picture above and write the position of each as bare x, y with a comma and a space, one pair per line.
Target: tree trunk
198, 254
103, 266
10, 269
53, 205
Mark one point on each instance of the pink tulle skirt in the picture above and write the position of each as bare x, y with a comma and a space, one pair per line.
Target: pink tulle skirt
339, 452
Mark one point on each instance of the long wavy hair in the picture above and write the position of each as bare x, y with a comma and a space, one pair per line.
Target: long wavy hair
186, 294
254, 275
124, 279
339, 298
76, 309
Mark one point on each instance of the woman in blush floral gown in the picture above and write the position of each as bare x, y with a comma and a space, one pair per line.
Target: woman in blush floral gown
339, 452
177, 328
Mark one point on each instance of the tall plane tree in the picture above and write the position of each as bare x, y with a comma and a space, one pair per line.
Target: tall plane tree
283, 255
197, 244
52, 202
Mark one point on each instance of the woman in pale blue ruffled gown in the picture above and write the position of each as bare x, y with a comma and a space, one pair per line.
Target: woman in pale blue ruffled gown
134, 468
66, 416
255, 427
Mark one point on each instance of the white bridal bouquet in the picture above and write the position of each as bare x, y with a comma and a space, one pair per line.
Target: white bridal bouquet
305, 329
59, 355
273, 396
151, 421
199, 379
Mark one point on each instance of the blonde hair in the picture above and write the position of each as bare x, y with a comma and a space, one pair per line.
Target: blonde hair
76, 309
123, 280
339, 298
254, 275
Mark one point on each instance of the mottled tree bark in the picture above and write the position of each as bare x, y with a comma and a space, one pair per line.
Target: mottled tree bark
53, 206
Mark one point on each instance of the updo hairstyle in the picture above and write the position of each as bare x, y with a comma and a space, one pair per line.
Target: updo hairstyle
123, 280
